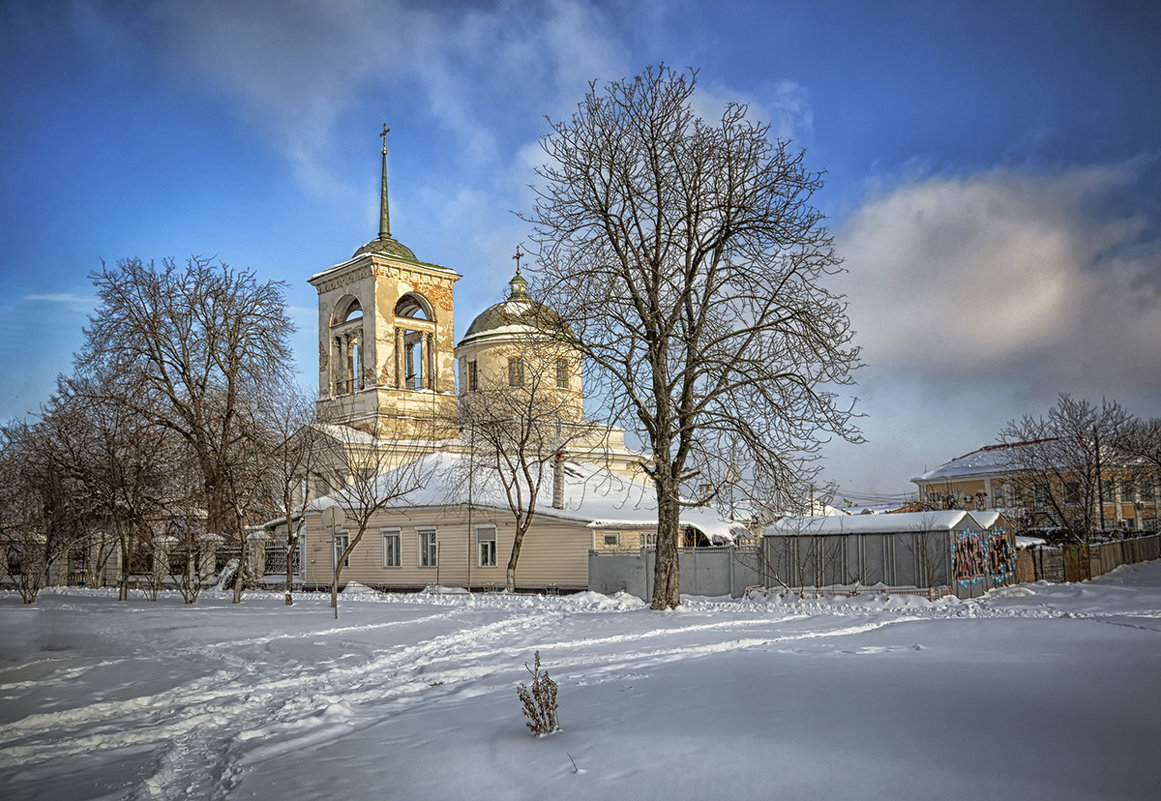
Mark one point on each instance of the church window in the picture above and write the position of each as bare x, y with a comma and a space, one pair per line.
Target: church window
562, 373
516, 371
473, 376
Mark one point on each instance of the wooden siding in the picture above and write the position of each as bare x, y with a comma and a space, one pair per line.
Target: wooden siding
554, 552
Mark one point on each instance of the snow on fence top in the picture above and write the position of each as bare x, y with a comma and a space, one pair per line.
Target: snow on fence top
906, 522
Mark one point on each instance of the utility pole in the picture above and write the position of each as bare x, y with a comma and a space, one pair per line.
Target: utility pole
1096, 439
332, 518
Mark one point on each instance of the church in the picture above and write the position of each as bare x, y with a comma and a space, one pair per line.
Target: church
394, 387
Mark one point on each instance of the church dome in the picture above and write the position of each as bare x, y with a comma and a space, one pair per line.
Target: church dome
386, 246
517, 315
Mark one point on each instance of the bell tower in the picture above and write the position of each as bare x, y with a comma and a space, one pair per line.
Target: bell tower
385, 333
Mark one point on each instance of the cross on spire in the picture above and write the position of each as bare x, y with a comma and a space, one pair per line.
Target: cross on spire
384, 212
517, 258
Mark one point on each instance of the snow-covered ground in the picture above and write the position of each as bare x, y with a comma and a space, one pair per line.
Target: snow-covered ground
1049, 692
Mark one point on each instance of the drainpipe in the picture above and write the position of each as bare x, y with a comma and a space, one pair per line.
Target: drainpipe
558, 481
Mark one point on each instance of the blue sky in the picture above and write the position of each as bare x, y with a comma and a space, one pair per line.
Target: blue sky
993, 170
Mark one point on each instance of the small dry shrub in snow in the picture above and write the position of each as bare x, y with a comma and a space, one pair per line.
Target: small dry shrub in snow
539, 701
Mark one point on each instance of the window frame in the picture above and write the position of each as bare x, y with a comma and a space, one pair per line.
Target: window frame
1041, 496
605, 535
562, 372
427, 555
345, 536
473, 376
515, 371
1070, 493
480, 560
392, 533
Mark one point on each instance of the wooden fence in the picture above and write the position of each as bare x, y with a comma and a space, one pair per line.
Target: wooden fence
1078, 562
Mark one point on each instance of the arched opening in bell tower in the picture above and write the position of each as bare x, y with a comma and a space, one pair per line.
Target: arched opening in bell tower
415, 343
347, 346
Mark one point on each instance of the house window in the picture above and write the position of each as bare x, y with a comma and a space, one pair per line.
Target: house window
391, 548
649, 539
486, 546
341, 542
1127, 495
611, 539
1072, 493
1146, 489
1040, 496
515, 371
428, 548
562, 373
473, 377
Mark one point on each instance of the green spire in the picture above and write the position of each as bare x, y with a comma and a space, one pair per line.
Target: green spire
385, 244
384, 213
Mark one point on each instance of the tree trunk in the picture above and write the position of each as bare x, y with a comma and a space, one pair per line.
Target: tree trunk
517, 542
243, 558
126, 563
666, 578
220, 516
291, 547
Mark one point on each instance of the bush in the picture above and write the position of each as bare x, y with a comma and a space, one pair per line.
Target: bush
539, 702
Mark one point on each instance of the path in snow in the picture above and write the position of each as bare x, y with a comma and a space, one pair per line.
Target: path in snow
163, 701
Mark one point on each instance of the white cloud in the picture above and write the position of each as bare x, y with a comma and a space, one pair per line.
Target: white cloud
82, 302
785, 105
292, 68
1027, 274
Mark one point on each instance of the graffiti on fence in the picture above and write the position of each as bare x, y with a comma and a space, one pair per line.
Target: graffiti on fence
1001, 559
968, 558
976, 556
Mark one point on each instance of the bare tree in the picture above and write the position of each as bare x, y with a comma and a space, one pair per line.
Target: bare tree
687, 263
366, 476
1058, 461
290, 417
1140, 440
520, 431
128, 468
37, 515
200, 341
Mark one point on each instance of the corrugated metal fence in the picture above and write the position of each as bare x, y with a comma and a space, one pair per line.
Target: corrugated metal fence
923, 560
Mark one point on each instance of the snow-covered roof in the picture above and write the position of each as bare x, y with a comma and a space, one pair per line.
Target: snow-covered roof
989, 460
593, 496
987, 519
948, 520
349, 435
